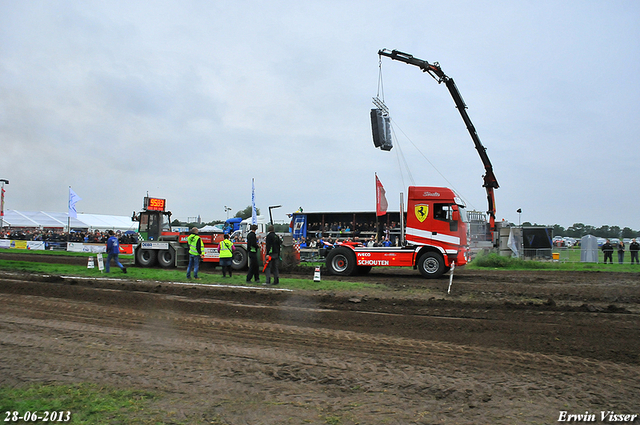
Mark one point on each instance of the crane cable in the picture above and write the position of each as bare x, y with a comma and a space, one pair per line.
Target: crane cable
434, 167
399, 154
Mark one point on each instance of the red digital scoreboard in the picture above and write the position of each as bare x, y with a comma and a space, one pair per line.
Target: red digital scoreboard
154, 204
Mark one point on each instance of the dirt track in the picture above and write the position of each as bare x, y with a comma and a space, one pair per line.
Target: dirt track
503, 348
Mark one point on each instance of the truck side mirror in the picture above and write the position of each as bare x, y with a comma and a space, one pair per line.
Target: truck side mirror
455, 214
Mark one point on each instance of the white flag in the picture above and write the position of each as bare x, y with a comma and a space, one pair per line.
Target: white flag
73, 198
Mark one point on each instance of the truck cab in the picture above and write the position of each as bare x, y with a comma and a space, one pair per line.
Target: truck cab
436, 219
435, 237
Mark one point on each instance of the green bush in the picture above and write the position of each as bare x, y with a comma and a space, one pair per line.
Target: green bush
499, 261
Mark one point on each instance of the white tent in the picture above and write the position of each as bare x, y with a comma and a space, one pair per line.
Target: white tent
108, 222
49, 220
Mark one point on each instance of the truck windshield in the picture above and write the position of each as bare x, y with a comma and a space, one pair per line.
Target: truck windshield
463, 213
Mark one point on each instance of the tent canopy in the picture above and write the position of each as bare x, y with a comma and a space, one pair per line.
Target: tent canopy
43, 220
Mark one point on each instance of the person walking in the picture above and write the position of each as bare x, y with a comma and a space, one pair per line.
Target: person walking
620, 252
252, 248
607, 249
113, 251
634, 247
226, 255
196, 252
273, 243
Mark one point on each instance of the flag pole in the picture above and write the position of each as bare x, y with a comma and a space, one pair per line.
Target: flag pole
69, 220
377, 204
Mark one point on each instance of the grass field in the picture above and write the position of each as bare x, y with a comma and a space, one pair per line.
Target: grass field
87, 404
569, 260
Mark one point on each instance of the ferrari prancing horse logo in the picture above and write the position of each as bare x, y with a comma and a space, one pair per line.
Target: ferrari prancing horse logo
422, 211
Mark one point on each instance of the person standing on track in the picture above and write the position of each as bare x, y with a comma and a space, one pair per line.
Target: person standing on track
113, 250
273, 243
226, 255
196, 251
252, 248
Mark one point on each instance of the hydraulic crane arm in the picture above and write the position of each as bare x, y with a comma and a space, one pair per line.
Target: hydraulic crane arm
490, 182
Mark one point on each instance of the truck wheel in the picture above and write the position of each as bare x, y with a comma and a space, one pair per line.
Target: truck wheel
167, 258
341, 261
431, 265
239, 259
146, 257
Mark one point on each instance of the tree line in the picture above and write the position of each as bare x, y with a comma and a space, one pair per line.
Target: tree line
578, 230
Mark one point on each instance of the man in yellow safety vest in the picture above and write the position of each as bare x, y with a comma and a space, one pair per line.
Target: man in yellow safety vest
196, 251
226, 255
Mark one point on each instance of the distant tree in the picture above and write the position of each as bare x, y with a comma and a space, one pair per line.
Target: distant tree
616, 231
214, 222
246, 213
607, 231
578, 230
558, 230
628, 233
281, 228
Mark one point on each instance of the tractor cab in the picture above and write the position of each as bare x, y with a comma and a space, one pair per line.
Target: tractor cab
153, 219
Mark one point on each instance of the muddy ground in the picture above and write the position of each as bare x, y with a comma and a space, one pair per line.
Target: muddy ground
502, 348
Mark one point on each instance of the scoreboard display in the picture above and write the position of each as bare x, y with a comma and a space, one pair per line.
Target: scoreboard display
155, 204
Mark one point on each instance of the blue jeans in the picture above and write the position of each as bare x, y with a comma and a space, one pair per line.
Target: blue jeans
194, 263
109, 257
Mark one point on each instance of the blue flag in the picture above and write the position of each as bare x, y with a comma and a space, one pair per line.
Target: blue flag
254, 218
73, 198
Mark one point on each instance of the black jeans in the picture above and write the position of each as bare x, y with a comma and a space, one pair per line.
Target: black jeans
253, 267
273, 269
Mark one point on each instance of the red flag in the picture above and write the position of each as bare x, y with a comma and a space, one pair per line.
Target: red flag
381, 200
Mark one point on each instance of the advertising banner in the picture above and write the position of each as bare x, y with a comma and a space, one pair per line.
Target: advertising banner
82, 247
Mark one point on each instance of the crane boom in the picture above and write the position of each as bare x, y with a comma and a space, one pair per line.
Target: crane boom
433, 69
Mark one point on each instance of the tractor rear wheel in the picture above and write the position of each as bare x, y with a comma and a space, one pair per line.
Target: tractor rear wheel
167, 258
146, 257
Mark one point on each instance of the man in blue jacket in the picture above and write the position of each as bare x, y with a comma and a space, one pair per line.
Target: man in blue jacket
113, 250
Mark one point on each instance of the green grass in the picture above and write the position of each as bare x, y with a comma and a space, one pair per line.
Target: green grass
86, 403
207, 274
569, 261
58, 253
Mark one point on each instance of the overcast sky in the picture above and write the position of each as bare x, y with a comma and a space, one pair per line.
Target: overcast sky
190, 100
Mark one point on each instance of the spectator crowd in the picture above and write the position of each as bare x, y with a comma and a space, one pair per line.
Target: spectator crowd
49, 235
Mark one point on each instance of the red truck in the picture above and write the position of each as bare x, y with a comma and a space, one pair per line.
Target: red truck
435, 235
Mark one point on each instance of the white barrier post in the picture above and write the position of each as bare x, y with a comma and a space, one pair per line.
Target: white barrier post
453, 267
100, 263
316, 275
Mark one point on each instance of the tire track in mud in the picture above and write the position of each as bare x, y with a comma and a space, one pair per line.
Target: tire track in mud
414, 351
